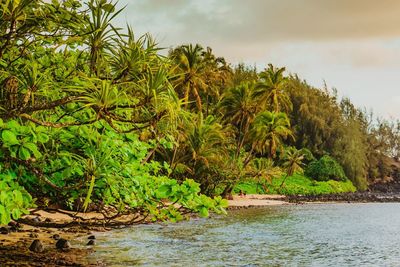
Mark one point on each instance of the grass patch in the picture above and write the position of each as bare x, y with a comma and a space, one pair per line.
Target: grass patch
297, 184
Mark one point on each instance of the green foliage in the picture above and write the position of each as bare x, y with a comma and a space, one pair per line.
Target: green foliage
20, 141
324, 169
293, 160
14, 199
268, 132
72, 104
270, 89
92, 114
296, 185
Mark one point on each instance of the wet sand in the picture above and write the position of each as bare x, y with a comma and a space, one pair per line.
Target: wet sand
14, 246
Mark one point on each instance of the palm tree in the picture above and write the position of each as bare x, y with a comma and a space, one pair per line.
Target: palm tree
293, 162
205, 138
200, 145
270, 89
217, 74
263, 169
239, 109
191, 71
268, 131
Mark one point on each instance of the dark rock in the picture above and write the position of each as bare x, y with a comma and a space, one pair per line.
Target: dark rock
33, 235
55, 236
63, 244
91, 243
92, 237
4, 230
13, 229
12, 223
36, 246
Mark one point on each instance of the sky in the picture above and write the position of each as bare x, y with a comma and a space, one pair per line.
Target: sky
351, 45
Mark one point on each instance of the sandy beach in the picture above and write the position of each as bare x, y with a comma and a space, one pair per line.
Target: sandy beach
257, 200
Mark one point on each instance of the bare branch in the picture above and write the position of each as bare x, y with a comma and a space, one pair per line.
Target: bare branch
55, 125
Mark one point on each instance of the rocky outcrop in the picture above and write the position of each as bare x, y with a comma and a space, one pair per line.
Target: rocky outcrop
347, 197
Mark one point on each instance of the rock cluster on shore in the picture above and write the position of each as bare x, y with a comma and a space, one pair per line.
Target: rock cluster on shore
24, 245
347, 197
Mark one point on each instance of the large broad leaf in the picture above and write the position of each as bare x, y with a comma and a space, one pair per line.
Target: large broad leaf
203, 212
164, 191
18, 199
220, 202
3, 194
9, 138
42, 137
16, 214
34, 149
23, 153
4, 215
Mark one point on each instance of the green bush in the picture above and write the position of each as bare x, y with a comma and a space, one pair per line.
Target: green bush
14, 199
325, 169
297, 184
249, 187
89, 164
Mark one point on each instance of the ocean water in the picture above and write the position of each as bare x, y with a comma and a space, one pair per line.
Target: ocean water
294, 235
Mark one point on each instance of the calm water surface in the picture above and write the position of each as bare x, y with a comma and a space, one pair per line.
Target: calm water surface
305, 235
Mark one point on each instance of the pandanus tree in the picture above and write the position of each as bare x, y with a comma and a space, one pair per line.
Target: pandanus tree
270, 89
24, 23
26, 27
79, 95
100, 31
131, 57
75, 91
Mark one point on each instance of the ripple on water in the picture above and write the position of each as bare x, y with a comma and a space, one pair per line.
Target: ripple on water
306, 235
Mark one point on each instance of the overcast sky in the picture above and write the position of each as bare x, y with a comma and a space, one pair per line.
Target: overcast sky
354, 45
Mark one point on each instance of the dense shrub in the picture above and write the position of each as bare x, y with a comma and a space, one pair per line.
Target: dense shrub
14, 199
324, 169
297, 184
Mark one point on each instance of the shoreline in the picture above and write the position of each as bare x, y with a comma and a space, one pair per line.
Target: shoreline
14, 246
256, 200
16, 238
264, 200
355, 197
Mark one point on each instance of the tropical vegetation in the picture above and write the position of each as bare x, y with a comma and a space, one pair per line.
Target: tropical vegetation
93, 116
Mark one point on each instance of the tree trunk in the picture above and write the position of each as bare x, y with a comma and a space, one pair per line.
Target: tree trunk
284, 179
227, 193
